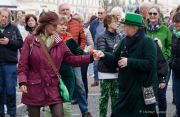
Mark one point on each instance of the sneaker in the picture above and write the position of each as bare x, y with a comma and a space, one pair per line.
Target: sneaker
96, 83
86, 114
73, 102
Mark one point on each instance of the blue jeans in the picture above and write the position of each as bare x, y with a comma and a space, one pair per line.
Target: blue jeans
96, 71
80, 92
8, 83
177, 92
91, 70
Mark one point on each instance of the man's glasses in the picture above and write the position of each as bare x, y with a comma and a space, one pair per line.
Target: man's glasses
150, 13
100, 13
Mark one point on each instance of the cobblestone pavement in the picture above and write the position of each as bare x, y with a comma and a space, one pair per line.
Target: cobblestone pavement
93, 102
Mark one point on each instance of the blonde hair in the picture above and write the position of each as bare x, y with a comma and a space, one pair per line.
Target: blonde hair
158, 10
78, 17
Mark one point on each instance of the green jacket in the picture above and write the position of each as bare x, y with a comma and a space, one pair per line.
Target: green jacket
66, 71
164, 34
140, 71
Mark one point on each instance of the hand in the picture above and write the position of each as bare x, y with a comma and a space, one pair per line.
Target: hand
23, 88
162, 85
98, 54
122, 62
4, 41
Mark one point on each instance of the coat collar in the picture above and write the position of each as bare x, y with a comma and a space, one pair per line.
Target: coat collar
56, 42
57, 38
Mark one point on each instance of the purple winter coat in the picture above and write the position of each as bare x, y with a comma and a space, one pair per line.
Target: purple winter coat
34, 70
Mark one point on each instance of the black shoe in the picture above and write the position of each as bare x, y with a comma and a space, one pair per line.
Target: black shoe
12, 115
86, 114
2, 115
96, 83
174, 102
73, 102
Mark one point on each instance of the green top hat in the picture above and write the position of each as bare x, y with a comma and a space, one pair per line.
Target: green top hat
133, 19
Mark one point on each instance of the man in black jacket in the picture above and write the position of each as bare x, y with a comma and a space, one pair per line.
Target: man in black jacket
10, 42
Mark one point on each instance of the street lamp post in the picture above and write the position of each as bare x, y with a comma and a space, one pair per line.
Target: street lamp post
156, 1
105, 4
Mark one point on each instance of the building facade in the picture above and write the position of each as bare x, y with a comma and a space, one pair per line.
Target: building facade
37, 6
83, 7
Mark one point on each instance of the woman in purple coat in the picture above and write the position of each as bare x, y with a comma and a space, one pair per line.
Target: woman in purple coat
37, 80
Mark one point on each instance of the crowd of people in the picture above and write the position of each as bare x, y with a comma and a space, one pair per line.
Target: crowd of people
130, 55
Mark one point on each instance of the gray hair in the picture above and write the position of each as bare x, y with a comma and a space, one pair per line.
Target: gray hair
146, 5
117, 10
60, 5
8, 11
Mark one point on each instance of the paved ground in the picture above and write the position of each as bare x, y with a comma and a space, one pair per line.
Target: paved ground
93, 101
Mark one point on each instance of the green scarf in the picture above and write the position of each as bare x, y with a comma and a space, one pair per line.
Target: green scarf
1, 29
176, 32
48, 40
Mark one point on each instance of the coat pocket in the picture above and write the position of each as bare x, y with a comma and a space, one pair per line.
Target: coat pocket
34, 89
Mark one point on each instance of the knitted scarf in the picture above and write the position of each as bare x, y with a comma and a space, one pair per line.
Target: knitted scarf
49, 40
152, 28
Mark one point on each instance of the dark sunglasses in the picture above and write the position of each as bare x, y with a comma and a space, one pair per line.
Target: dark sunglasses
100, 13
150, 13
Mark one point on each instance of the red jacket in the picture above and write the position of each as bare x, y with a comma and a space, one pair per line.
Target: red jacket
34, 69
77, 31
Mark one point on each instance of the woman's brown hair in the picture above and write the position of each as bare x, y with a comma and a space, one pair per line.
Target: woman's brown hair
176, 17
46, 18
108, 19
178, 8
28, 16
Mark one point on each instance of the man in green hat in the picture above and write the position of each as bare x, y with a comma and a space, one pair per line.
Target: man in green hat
135, 57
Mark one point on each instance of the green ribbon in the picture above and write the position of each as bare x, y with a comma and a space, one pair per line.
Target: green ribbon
176, 32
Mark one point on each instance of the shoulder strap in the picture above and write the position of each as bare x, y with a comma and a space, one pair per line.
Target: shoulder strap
50, 60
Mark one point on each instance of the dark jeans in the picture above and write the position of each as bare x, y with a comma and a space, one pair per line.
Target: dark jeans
177, 92
162, 102
56, 110
96, 78
84, 78
173, 88
8, 82
80, 93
